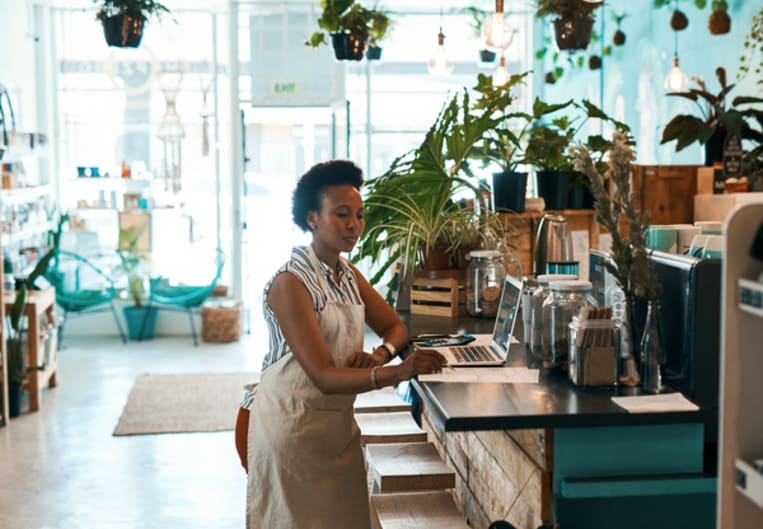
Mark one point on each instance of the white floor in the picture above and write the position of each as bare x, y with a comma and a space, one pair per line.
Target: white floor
61, 468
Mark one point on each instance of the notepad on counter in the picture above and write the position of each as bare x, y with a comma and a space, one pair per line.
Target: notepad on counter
655, 403
505, 375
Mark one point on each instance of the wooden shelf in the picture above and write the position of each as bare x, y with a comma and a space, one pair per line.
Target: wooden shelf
20, 235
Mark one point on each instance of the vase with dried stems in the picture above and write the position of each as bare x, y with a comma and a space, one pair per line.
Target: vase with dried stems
630, 262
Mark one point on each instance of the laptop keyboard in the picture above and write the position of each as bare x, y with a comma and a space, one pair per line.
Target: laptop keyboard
473, 353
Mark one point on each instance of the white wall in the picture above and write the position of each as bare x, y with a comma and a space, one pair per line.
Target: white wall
17, 60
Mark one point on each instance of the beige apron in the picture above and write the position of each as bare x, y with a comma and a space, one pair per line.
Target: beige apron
306, 467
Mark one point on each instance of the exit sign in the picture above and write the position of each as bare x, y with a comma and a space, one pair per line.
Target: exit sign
285, 88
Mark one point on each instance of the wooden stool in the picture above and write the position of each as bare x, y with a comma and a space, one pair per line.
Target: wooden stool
382, 400
419, 509
408, 466
388, 427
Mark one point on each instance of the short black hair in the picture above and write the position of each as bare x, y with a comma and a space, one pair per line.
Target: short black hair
307, 195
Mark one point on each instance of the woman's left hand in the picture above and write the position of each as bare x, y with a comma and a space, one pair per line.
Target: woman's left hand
361, 360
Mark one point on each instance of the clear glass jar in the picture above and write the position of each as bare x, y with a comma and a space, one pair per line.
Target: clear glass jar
564, 301
484, 280
535, 309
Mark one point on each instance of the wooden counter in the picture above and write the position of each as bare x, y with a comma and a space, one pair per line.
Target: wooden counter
532, 454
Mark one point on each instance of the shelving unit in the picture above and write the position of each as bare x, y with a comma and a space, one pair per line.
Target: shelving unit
3, 354
740, 496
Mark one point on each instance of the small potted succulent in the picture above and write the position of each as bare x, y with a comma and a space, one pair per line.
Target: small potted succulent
123, 20
141, 320
350, 27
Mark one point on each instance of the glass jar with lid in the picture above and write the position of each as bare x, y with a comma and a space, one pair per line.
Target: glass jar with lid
564, 301
534, 307
484, 280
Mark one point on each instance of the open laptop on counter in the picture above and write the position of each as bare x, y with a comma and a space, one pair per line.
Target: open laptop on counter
495, 352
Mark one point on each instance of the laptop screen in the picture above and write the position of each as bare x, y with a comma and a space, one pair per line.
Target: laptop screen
507, 314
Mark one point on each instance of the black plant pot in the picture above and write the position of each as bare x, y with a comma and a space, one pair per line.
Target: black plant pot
553, 187
487, 56
373, 53
575, 197
509, 190
714, 146
123, 30
573, 33
348, 46
15, 395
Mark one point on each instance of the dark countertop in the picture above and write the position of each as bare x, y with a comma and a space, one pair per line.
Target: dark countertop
553, 403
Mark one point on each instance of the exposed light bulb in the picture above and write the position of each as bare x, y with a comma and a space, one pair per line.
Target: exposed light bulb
440, 65
501, 74
496, 31
676, 80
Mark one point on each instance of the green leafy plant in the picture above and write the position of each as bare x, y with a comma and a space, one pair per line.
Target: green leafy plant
743, 117
350, 17
16, 368
412, 206
141, 9
753, 49
132, 262
564, 8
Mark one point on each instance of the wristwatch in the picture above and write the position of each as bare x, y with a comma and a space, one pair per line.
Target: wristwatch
390, 348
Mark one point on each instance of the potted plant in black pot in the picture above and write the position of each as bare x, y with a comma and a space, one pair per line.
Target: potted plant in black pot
573, 22
123, 20
141, 319
717, 119
349, 25
479, 16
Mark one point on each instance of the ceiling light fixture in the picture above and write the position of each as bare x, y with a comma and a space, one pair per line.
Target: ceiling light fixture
676, 80
496, 31
440, 65
501, 74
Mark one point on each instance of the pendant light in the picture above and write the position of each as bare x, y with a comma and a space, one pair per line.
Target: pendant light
496, 31
676, 80
440, 65
501, 74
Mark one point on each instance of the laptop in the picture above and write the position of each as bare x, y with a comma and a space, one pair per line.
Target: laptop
497, 351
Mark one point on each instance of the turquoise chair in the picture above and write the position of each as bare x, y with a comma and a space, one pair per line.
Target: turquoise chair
183, 298
81, 288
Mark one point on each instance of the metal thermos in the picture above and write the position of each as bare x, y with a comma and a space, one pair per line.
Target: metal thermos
553, 242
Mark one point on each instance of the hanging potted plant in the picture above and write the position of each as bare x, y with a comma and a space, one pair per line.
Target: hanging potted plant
719, 22
486, 55
123, 20
573, 22
349, 25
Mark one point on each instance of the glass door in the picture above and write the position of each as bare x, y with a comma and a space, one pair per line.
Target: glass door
280, 144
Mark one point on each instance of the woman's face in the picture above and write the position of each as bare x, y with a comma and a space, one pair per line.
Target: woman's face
338, 223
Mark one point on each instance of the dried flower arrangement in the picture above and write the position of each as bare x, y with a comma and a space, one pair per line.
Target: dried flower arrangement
631, 268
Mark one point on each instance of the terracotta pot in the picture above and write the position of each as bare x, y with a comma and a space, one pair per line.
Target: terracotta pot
438, 258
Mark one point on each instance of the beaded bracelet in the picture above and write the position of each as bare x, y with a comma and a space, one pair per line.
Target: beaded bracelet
374, 385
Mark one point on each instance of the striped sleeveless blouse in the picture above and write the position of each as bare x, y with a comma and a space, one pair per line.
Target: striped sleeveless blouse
345, 290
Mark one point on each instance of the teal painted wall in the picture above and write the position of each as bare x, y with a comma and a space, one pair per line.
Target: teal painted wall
630, 83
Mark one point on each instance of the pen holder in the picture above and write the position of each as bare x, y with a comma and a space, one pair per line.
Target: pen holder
594, 346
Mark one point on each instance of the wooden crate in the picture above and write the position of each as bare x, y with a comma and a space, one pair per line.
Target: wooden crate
438, 297
667, 191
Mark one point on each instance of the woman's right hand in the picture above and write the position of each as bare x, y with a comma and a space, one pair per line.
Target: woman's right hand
421, 361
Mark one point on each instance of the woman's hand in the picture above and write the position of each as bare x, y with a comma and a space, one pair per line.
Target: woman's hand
421, 361
361, 359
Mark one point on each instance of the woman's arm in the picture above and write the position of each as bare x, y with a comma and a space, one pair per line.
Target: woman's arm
291, 304
383, 320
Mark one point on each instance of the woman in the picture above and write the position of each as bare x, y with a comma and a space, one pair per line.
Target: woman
305, 464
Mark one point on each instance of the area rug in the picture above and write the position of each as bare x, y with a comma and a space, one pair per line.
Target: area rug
192, 402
